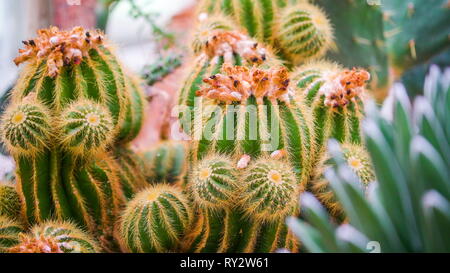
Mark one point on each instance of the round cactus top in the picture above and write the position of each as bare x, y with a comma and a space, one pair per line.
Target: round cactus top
238, 83
59, 47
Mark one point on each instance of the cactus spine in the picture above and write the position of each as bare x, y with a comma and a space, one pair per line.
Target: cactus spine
155, 220
359, 161
55, 237
335, 96
72, 105
9, 201
9, 233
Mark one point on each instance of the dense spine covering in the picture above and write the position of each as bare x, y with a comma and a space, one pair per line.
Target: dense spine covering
269, 193
155, 220
9, 233
213, 186
55, 237
72, 105
165, 162
303, 33
358, 160
256, 16
335, 96
9, 201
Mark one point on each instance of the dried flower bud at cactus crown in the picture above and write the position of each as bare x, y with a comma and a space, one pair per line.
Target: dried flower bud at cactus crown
59, 47
226, 43
344, 87
238, 83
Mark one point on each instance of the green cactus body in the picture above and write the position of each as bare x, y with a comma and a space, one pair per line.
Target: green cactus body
214, 189
256, 16
165, 162
268, 195
9, 201
415, 31
335, 97
359, 161
56, 237
253, 126
303, 32
72, 104
9, 233
155, 220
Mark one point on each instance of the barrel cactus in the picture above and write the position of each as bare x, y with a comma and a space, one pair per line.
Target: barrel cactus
335, 96
55, 237
72, 106
155, 220
9, 233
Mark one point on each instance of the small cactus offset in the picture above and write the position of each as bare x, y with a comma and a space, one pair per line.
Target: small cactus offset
336, 97
55, 237
155, 220
9, 233
303, 33
269, 193
358, 160
10, 205
165, 162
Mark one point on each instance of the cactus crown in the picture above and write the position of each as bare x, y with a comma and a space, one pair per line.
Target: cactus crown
26, 127
238, 83
269, 189
59, 48
358, 159
85, 126
56, 237
213, 183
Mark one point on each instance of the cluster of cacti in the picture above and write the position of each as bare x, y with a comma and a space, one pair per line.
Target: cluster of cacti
258, 133
408, 207
259, 104
71, 108
162, 67
359, 161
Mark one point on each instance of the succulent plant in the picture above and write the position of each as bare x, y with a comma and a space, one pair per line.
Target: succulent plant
162, 67
55, 237
155, 220
408, 208
9, 201
72, 106
336, 97
303, 33
241, 212
9, 233
165, 162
